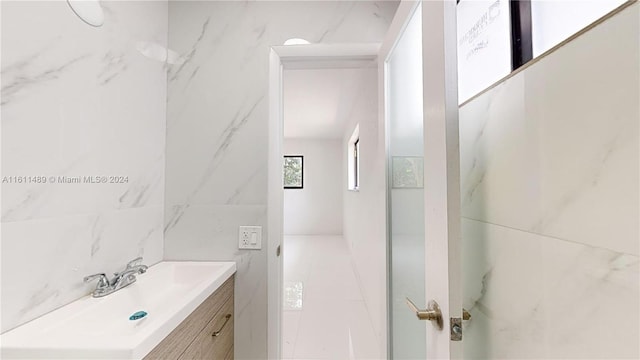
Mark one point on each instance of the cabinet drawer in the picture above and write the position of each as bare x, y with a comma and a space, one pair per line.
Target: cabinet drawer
182, 336
216, 340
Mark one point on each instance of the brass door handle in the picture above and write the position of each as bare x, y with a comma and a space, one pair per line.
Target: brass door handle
432, 313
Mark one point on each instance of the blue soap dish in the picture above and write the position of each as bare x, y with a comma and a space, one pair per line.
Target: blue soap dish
138, 315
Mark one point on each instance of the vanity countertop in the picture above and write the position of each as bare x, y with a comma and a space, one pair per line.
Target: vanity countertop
100, 328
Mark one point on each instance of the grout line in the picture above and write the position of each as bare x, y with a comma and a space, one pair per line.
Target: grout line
354, 268
549, 236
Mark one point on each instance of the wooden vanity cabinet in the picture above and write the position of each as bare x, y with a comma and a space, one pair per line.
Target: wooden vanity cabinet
207, 333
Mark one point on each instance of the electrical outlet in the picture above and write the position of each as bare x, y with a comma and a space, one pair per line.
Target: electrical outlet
250, 237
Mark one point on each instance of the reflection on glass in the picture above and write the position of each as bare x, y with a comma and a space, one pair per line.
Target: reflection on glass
293, 291
408, 172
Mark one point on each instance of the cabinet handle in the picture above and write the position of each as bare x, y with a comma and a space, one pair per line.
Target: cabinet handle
226, 320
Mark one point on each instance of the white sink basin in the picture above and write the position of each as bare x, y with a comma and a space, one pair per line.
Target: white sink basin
99, 328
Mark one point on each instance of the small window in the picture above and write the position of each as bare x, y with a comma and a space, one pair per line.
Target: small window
552, 22
484, 45
353, 160
293, 171
356, 163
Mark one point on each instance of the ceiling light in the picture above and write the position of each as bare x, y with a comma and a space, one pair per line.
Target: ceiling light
296, 41
88, 11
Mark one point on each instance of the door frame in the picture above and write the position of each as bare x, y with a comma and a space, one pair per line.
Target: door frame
312, 56
442, 156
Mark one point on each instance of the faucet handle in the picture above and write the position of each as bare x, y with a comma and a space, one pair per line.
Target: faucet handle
103, 280
130, 265
134, 262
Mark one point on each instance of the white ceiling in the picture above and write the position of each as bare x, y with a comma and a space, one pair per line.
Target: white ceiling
318, 101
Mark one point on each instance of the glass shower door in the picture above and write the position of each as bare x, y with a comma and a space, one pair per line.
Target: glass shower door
421, 117
406, 190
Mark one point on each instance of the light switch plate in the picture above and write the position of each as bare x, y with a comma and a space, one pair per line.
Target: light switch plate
250, 237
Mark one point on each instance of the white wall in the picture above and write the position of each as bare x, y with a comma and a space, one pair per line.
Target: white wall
217, 116
78, 101
364, 210
316, 209
550, 203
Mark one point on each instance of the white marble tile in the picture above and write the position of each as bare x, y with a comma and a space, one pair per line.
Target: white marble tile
250, 304
78, 101
538, 297
556, 152
203, 232
596, 292
96, 102
336, 329
591, 175
45, 260
322, 284
126, 234
43, 263
298, 257
504, 290
209, 232
334, 321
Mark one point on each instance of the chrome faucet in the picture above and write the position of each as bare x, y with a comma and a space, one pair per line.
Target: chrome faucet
120, 279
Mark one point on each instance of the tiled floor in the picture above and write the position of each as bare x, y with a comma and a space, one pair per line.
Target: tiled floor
324, 315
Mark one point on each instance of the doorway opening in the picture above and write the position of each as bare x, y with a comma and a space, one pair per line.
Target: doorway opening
324, 314
327, 292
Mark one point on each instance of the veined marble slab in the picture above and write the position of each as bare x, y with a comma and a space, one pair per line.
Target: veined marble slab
45, 260
81, 101
537, 297
78, 101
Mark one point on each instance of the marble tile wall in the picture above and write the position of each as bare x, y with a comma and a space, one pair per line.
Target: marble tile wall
550, 202
217, 120
78, 101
